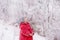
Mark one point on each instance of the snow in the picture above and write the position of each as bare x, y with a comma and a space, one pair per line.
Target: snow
38, 37
9, 32
45, 12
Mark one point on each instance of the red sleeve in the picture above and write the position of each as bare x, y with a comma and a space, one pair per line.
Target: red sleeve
31, 29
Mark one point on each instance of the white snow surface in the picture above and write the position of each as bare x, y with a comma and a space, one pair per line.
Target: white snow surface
9, 32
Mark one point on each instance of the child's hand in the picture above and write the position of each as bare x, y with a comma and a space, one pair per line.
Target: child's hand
31, 34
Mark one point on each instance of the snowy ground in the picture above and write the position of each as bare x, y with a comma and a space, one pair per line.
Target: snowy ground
9, 32
37, 37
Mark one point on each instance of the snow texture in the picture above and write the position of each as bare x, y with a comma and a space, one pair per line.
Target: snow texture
44, 16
